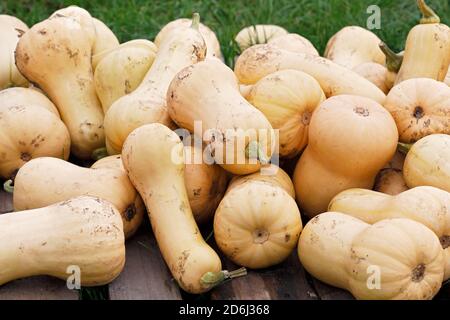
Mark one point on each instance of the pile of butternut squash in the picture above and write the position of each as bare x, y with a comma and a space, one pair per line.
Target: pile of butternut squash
341, 159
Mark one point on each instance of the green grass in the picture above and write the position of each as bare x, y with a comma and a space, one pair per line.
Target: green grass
318, 20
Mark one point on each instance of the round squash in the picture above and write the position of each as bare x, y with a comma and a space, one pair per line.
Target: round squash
428, 162
122, 70
261, 60
427, 205
353, 46
29, 131
154, 159
83, 232
212, 43
105, 39
295, 43
18, 96
420, 107
44, 181
205, 184
147, 104
208, 93
258, 34
66, 76
350, 139
393, 259
375, 73
14, 22
288, 98
257, 223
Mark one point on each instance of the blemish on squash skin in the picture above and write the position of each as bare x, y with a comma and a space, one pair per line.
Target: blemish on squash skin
445, 241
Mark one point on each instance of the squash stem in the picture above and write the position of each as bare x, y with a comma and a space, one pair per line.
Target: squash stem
99, 153
428, 15
195, 21
393, 60
404, 147
254, 151
8, 186
213, 279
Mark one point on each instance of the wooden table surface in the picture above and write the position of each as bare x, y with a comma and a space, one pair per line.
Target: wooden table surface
146, 276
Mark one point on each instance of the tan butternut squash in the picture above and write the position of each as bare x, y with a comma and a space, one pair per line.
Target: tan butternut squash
153, 157
105, 39
428, 162
397, 259
56, 54
375, 73
121, 70
420, 107
295, 43
9, 74
350, 139
231, 127
29, 131
82, 16
83, 232
427, 205
257, 223
14, 22
147, 104
390, 181
258, 34
45, 181
212, 43
288, 98
18, 96
261, 60
354, 45
427, 49
205, 184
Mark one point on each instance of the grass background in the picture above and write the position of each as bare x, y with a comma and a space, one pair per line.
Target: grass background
317, 20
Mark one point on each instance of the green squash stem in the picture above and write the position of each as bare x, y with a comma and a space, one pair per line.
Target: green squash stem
8, 186
428, 15
99, 153
213, 279
404, 147
393, 60
195, 21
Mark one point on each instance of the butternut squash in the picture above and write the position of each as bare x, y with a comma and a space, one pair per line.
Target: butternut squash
44, 181
447, 78
428, 162
354, 45
84, 232
420, 107
257, 223
9, 74
56, 54
121, 70
205, 184
375, 73
428, 205
288, 98
397, 259
18, 96
14, 22
295, 43
29, 131
427, 49
212, 43
258, 34
350, 139
153, 157
147, 104
261, 60
231, 127
105, 39
390, 181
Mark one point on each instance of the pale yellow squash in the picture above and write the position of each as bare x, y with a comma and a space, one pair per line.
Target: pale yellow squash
427, 49
153, 157
257, 223
147, 104
83, 234
354, 45
350, 139
261, 60
208, 93
288, 98
105, 39
18, 96
295, 43
44, 181
398, 259
420, 107
56, 54
258, 34
14, 22
375, 73
428, 162
212, 43
447, 78
122, 70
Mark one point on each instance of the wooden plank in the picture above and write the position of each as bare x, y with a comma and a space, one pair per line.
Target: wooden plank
37, 288
145, 275
327, 292
286, 281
